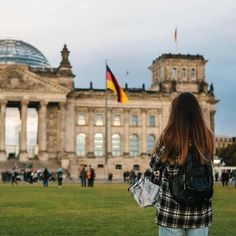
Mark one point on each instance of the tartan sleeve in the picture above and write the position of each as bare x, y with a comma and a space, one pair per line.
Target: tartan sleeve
155, 162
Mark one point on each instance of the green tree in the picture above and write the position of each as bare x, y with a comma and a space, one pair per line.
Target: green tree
228, 154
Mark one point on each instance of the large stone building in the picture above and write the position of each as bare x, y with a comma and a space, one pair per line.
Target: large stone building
223, 141
44, 117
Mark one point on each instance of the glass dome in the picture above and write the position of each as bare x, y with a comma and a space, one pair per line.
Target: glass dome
18, 52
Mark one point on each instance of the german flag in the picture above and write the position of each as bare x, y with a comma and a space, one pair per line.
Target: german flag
114, 86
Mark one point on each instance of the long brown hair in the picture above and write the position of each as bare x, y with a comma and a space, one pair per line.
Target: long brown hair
186, 129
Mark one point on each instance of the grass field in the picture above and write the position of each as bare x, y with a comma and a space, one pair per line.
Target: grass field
105, 210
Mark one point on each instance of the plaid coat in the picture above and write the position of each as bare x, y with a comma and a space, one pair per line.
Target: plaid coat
169, 212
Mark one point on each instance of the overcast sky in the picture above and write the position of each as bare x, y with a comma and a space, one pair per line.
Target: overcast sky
130, 34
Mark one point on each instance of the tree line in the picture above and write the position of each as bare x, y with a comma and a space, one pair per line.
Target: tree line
228, 154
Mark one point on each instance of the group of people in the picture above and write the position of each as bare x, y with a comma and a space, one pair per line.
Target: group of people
131, 177
87, 176
227, 176
46, 175
32, 176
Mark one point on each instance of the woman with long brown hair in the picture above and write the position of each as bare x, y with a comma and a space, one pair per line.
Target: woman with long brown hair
185, 131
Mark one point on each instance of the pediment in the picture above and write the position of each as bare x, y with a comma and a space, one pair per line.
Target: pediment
22, 80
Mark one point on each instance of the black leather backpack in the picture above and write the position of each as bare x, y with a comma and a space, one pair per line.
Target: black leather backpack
193, 185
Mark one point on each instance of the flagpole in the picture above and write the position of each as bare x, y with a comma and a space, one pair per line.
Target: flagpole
126, 76
106, 124
177, 48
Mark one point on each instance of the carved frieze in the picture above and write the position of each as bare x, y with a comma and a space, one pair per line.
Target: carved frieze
19, 80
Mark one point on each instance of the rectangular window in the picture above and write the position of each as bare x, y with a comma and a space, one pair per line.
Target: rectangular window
116, 120
81, 119
118, 167
134, 120
99, 120
152, 121
193, 73
174, 72
136, 167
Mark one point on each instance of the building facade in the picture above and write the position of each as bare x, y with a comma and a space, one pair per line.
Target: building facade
56, 121
223, 141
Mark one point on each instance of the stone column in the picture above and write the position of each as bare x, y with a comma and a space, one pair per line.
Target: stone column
212, 120
23, 155
62, 121
90, 145
42, 131
61, 136
143, 137
70, 138
126, 133
70, 129
3, 156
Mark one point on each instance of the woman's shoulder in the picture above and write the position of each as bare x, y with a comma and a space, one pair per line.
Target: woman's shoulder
156, 157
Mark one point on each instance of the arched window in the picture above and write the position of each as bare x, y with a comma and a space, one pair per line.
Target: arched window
150, 142
116, 145
98, 144
80, 144
183, 72
133, 145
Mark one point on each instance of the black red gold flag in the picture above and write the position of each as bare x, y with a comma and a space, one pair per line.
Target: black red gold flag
114, 86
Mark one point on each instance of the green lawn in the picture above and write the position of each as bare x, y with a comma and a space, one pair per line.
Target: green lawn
106, 210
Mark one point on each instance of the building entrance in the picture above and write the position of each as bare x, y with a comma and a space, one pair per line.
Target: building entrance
13, 129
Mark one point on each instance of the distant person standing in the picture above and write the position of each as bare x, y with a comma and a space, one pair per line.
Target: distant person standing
83, 176
225, 178
90, 176
125, 175
93, 175
139, 175
59, 177
132, 177
32, 176
148, 174
46, 176
14, 177
110, 176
